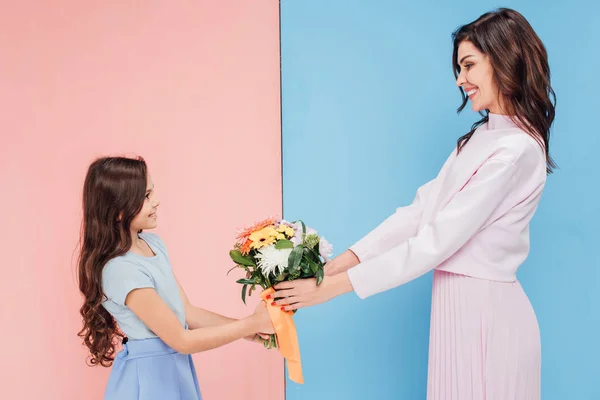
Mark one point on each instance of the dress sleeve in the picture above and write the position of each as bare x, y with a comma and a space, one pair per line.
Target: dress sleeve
121, 277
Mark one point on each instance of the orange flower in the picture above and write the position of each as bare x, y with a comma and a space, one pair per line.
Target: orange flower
244, 234
245, 249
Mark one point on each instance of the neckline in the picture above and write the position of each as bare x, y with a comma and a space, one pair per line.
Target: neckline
500, 121
155, 256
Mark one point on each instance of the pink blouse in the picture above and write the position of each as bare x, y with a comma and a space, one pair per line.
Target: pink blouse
471, 219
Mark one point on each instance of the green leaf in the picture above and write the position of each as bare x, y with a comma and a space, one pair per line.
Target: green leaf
320, 275
284, 244
313, 255
244, 293
303, 227
245, 281
295, 257
238, 258
305, 267
314, 267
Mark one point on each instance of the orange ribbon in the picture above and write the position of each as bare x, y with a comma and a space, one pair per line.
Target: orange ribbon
287, 338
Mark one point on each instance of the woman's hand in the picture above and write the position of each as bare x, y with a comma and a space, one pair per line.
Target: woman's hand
305, 292
341, 263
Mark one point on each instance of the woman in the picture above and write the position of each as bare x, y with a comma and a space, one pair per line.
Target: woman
470, 224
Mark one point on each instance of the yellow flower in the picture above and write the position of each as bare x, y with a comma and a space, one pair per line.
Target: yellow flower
263, 237
286, 230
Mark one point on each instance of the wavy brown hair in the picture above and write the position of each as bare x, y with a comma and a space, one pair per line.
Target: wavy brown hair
521, 73
113, 194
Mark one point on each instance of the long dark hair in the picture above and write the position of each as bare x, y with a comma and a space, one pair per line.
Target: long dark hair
113, 194
521, 73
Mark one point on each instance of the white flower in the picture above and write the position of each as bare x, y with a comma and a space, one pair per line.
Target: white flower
272, 260
297, 239
298, 236
284, 222
297, 227
325, 249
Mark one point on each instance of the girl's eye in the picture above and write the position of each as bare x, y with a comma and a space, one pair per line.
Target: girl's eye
468, 66
148, 196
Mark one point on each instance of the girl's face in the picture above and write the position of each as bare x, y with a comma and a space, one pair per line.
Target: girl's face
476, 79
147, 217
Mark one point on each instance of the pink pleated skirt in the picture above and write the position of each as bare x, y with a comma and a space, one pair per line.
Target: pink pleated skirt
484, 341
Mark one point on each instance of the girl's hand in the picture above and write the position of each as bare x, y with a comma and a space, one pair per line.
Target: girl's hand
258, 337
262, 319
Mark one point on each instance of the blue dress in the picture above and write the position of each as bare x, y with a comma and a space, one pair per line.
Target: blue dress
148, 369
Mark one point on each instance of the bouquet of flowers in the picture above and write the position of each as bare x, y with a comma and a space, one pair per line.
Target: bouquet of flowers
274, 251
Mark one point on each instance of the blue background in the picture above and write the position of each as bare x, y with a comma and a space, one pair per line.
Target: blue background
369, 114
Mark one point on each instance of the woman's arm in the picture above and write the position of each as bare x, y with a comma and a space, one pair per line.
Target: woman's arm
394, 230
158, 317
452, 227
341, 263
468, 211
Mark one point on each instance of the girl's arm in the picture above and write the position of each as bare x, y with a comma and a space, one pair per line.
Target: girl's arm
158, 317
197, 317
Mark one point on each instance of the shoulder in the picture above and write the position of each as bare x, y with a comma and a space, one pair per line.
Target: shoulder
121, 267
519, 149
121, 275
525, 154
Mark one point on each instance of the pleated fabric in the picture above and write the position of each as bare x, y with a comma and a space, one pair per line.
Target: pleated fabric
484, 341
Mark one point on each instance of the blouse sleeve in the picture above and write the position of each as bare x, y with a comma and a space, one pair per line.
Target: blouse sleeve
395, 229
452, 227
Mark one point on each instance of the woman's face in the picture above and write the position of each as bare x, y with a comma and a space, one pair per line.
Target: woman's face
476, 79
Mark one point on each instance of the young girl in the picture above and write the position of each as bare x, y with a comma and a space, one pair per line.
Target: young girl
130, 292
470, 224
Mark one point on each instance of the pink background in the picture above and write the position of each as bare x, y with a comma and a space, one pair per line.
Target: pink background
193, 86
